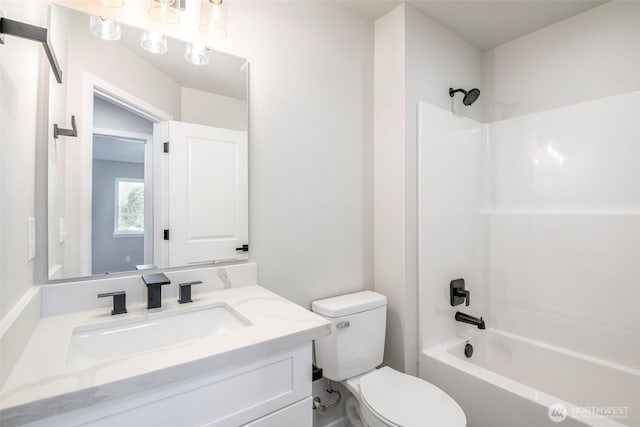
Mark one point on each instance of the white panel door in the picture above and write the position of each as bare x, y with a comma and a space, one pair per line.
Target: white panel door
208, 193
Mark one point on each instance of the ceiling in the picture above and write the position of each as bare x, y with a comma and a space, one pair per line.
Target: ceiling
223, 75
118, 149
482, 23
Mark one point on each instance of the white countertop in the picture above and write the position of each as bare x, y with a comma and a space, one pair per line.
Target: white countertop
42, 383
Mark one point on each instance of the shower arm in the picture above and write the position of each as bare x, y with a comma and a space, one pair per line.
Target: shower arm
452, 92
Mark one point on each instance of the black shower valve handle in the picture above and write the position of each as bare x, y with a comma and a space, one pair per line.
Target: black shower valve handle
458, 293
463, 293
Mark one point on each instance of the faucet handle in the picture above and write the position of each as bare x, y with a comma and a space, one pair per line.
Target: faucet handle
119, 301
466, 295
185, 291
457, 293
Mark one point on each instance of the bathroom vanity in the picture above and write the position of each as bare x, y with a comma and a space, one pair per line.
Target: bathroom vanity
239, 356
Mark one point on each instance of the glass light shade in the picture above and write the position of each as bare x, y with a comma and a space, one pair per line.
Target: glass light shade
213, 19
162, 12
197, 54
154, 42
111, 3
104, 28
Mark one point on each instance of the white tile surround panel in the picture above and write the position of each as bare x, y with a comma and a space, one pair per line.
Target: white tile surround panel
579, 159
541, 215
564, 227
451, 236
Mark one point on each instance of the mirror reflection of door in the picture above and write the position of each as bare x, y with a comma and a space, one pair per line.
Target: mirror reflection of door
121, 226
207, 195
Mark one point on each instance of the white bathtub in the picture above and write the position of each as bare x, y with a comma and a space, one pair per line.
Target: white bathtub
511, 381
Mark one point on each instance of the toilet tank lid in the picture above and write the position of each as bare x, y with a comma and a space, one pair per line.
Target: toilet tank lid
345, 305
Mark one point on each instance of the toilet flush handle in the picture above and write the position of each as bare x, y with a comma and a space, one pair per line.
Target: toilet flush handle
343, 324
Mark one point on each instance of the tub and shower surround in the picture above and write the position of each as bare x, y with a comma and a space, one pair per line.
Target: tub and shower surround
541, 216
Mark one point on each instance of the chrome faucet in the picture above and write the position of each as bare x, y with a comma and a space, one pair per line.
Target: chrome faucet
466, 318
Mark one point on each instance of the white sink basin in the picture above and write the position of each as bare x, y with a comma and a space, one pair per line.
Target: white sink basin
122, 338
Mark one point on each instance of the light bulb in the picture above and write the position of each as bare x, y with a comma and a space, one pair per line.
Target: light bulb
213, 19
111, 3
197, 54
162, 12
106, 29
154, 42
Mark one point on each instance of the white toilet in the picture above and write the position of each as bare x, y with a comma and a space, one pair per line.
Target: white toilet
386, 398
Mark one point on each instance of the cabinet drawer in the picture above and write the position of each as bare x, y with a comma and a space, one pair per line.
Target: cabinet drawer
299, 414
226, 397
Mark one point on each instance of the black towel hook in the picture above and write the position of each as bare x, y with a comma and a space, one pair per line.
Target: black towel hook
66, 132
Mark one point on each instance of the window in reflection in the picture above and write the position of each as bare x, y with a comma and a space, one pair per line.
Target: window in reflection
129, 218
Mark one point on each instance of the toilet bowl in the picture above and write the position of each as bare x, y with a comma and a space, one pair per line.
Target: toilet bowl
384, 397
388, 398
352, 411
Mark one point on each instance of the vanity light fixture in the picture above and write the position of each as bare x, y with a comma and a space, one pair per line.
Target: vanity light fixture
105, 29
163, 12
213, 19
197, 54
111, 3
154, 42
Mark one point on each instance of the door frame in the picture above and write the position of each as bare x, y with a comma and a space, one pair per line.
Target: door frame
148, 180
92, 86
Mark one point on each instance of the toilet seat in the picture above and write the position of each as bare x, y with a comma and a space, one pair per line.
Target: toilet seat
403, 400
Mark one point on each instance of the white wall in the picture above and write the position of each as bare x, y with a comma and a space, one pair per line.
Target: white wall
56, 156
438, 59
589, 56
211, 109
389, 178
24, 74
417, 59
310, 146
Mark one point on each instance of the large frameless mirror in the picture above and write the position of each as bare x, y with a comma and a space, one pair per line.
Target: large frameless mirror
156, 175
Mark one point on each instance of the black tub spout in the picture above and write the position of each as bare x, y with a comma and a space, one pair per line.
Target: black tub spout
466, 318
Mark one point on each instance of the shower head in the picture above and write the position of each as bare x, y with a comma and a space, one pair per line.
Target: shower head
469, 96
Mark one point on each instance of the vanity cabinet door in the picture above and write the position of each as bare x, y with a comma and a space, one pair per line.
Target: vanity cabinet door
226, 397
299, 415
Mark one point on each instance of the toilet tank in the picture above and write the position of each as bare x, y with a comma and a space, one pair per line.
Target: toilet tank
356, 343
